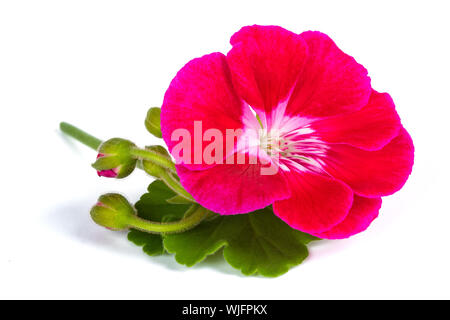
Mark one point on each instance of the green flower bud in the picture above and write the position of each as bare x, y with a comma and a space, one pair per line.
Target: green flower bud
151, 168
153, 122
114, 159
112, 211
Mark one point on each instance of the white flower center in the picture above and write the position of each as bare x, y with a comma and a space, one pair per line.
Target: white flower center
287, 141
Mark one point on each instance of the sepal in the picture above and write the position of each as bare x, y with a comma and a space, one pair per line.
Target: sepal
151, 168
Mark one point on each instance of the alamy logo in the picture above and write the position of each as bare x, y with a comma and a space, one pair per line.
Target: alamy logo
253, 147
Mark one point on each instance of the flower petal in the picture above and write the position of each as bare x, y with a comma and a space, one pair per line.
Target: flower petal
361, 215
233, 188
317, 204
265, 62
372, 173
370, 128
201, 91
331, 83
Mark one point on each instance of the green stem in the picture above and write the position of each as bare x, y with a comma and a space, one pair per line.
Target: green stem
194, 216
94, 143
154, 157
175, 185
80, 135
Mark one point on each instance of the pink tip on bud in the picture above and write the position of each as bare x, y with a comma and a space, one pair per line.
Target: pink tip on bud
114, 159
107, 173
110, 173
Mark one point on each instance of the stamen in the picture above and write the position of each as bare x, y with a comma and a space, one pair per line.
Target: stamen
288, 141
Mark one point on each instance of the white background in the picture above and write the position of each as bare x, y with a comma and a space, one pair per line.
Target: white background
102, 64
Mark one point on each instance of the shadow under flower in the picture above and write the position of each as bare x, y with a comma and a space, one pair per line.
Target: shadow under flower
73, 220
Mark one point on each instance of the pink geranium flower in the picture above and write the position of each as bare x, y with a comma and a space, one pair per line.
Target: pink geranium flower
343, 146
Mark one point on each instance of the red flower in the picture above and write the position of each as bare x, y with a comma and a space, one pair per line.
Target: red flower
339, 146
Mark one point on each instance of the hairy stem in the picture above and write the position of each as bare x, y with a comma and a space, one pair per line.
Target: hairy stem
167, 176
154, 157
194, 216
175, 185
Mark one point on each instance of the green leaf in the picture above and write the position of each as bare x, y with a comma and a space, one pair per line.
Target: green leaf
257, 242
154, 206
151, 244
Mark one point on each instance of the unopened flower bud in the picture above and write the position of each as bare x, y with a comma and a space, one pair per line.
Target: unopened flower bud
112, 211
111, 173
114, 159
153, 122
151, 168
